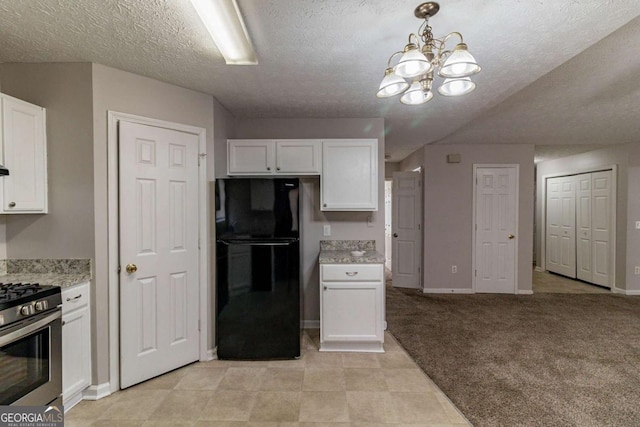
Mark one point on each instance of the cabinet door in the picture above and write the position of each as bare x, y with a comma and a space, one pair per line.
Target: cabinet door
24, 154
349, 180
76, 352
298, 156
251, 157
352, 312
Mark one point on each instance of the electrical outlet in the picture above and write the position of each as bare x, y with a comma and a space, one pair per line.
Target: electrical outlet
326, 230
637, 270
454, 269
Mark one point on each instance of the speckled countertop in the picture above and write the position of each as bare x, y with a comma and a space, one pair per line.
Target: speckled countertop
58, 272
339, 252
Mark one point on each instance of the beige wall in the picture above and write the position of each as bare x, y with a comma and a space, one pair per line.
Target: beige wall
344, 225
448, 211
130, 93
64, 89
623, 156
390, 168
633, 235
224, 128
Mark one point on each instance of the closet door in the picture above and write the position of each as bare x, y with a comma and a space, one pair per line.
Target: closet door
583, 225
601, 227
561, 227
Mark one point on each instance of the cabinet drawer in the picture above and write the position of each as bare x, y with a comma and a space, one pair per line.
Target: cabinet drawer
351, 272
75, 297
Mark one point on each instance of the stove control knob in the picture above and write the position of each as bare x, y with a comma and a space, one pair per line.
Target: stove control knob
41, 305
26, 310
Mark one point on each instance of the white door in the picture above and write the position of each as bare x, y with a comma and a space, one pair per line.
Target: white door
406, 255
601, 227
496, 213
159, 235
583, 227
561, 226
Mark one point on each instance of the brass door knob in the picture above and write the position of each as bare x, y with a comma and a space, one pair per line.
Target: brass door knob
131, 268
511, 236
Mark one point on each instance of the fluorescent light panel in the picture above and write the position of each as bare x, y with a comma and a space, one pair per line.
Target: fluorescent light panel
224, 22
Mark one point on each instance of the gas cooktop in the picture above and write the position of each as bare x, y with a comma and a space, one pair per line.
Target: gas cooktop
29, 298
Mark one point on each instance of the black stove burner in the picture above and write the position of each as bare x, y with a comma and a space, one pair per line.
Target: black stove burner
11, 291
13, 294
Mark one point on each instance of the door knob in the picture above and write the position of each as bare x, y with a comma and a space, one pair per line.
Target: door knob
395, 234
131, 268
511, 236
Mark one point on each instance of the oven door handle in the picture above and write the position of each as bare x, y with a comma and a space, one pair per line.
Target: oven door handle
23, 332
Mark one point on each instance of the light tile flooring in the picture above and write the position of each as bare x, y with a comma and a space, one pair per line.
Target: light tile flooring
319, 389
544, 282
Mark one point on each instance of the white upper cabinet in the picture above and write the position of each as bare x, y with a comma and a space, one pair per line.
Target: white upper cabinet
24, 153
273, 157
349, 180
298, 156
250, 156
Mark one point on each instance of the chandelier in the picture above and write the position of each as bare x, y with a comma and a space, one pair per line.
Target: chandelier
412, 76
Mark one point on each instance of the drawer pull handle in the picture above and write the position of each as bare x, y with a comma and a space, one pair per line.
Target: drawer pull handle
74, 299
351, 273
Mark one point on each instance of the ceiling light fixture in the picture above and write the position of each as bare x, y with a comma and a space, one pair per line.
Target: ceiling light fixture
412, 76
226, 26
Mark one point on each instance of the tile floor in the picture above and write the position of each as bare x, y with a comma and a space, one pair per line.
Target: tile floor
319, 389
545, 282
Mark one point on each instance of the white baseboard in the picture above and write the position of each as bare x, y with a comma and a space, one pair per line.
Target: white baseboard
625, 291
539, 269
524, 292
96, 392
447, 291
210, 355
310, 324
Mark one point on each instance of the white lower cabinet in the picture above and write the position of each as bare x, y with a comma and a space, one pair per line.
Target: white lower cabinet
352, 307
76, 344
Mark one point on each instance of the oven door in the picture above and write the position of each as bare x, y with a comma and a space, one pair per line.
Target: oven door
31, 361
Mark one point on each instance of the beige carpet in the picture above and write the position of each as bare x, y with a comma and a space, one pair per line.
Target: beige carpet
541, 360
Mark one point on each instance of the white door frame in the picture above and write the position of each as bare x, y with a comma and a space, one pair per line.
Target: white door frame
114, 239
517, 221
614, 203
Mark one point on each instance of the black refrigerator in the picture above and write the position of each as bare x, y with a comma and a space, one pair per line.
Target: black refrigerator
258, 269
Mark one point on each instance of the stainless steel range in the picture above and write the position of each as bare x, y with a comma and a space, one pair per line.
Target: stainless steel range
30, 344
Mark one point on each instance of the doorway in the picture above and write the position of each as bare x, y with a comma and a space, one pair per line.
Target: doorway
579, 232
406, 230
169, 222
495, 249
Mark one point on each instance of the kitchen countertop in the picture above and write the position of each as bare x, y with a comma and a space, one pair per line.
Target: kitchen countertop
55, 279
345, 257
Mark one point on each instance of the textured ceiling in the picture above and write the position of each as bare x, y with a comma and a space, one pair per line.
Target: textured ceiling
325, 58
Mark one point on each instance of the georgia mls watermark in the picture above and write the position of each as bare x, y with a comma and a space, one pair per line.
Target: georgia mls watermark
31, 416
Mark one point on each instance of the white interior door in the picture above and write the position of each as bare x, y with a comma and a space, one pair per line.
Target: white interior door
496, 227
583, 225
561, 226
158, 209
601, 227
406, 255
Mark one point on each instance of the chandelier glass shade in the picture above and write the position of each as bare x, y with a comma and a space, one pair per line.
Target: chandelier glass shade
422, 58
